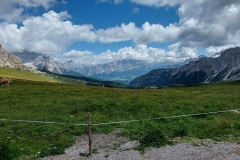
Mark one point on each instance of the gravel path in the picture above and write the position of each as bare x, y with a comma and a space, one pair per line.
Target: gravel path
113, 147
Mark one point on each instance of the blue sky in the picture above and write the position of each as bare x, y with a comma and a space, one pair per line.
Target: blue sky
106, 15
101, 31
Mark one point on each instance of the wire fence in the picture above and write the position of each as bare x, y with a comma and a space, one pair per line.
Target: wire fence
119, 122
128, 121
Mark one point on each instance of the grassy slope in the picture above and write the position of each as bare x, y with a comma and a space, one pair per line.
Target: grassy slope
17, 74
70, 103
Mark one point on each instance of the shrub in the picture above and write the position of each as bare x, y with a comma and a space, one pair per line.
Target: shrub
8, 152
154, 138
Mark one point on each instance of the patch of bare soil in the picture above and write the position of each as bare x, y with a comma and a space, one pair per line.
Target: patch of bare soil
114, 147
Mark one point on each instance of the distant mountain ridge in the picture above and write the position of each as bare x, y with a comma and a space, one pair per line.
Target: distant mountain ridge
117, 70
122, 71
43, 62
206, 69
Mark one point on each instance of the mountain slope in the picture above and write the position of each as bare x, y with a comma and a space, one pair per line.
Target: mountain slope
222, 68
26, 75
9, 60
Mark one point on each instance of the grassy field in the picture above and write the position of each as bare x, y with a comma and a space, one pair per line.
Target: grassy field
17, 74
68, 103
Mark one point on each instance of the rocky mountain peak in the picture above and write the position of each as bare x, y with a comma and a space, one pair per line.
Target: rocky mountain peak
9, 60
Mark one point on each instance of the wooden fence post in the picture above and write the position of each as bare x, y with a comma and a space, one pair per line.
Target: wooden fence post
89, 133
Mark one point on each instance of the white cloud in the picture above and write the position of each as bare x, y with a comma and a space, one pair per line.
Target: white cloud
118, 1
76, 54
157, 33
135, 10
210, 23
147, 34
213, 49
203, 23
182, 51
11, 37
35, 3
175, 53
64, 2
47, 34
64, 15
158, 3
117, 34
111, 1
12, 10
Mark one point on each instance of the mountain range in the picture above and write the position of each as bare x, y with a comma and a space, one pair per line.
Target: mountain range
223, 67
123, 71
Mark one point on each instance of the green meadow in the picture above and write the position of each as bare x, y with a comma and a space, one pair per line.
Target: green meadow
70, 103
26, 75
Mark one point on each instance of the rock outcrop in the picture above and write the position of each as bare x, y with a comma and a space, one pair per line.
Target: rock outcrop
9, 60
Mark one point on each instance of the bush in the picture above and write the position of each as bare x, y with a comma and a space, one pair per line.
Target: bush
154, 138
8, 152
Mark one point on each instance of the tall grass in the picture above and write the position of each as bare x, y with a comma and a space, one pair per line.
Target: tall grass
68, 103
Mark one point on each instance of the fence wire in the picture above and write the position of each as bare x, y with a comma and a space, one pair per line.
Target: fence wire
119, 122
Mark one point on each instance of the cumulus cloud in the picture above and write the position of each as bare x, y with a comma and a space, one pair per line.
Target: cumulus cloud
135, 10
213, 49
157, 33
116, 34
64, 2
12, 10
49, 33
111, 1
203, 23
175, 53
159, 3
76, 54
209, 23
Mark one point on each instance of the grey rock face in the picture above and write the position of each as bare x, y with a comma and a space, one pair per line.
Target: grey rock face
9, 60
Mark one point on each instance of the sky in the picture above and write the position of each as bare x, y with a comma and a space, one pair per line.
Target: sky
93, 32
